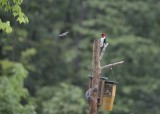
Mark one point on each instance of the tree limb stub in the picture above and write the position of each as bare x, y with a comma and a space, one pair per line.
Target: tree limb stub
102, 53
110, 65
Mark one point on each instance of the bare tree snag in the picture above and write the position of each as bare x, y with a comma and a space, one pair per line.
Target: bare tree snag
96, 76
96, 70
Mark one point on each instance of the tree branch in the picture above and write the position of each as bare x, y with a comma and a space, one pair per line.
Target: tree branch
110, 65
102, 53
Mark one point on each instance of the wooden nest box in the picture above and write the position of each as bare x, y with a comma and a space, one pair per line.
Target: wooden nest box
106, 93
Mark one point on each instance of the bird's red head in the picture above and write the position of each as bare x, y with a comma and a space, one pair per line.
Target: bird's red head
103, 35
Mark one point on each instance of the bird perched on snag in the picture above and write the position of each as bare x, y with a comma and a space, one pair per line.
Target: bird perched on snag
103, 41
88, 94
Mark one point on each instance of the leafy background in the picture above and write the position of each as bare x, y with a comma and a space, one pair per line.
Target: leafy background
40, 73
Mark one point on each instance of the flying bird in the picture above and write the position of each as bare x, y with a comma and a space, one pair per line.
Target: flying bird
64, 34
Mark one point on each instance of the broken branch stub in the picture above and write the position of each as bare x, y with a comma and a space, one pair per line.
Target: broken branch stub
110, 65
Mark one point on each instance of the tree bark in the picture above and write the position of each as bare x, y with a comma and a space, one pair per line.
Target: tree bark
96, 76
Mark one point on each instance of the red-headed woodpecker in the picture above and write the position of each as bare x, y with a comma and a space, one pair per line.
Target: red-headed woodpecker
103, 40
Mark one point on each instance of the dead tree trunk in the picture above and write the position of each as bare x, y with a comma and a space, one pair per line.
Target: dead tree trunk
96, 76
96, 70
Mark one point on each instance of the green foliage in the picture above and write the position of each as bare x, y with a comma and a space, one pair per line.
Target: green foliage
12, 92
63, 99
122, 17
26, 57
5, 26
132, 27
14, 7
